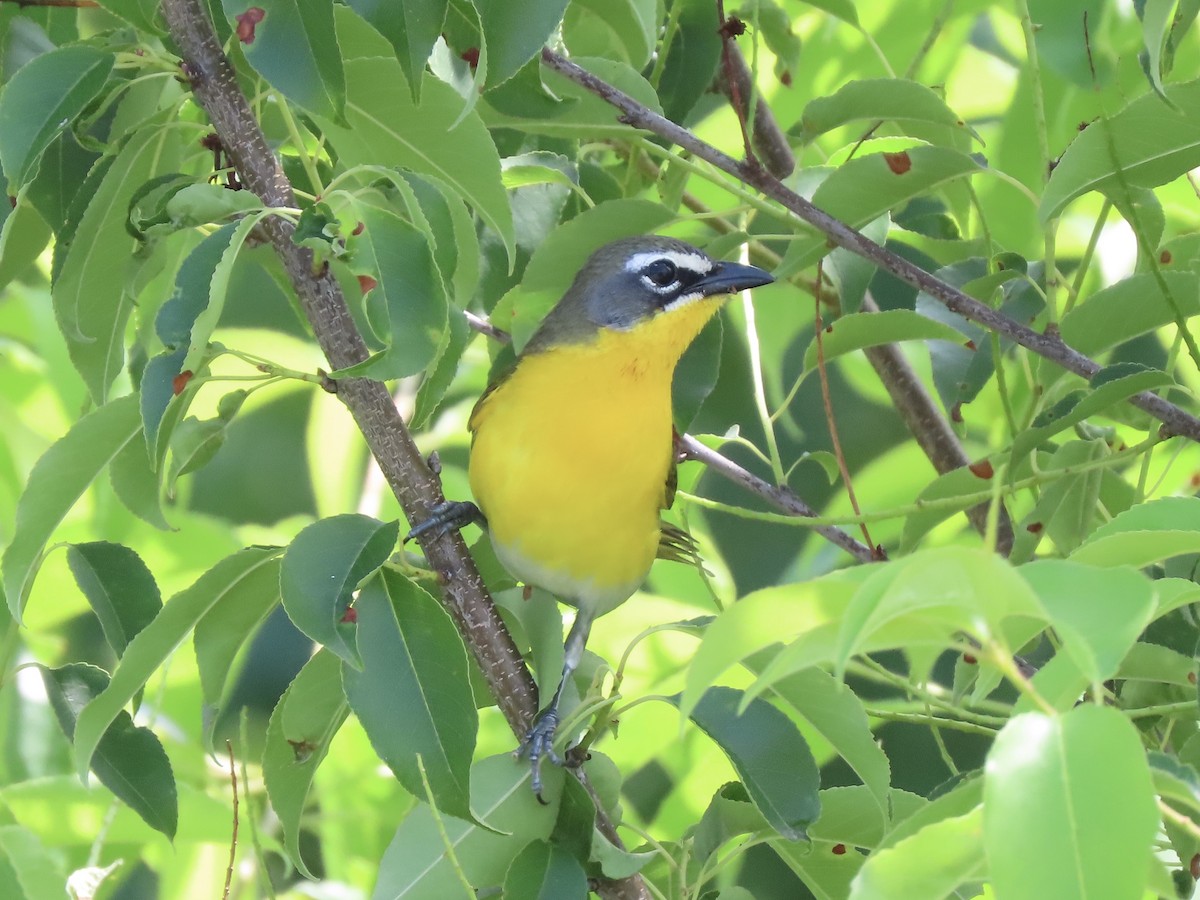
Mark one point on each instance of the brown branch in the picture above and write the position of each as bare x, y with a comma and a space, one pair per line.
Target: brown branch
415, 486
1048, 345
767, 138
70, 4
929, 427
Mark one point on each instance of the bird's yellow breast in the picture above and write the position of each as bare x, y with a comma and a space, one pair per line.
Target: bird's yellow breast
571, 454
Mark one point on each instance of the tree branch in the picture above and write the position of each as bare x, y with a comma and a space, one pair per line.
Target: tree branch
415, 486
1049, 345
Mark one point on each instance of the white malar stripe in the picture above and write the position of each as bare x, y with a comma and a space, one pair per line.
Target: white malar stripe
683, 300
691, 262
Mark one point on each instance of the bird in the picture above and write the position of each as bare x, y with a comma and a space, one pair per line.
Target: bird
573, 454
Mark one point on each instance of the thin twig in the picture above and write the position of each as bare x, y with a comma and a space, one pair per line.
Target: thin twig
830, 418
840, 234
234, 837
782, 498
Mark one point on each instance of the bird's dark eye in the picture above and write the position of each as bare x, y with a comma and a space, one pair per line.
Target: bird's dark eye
662, 272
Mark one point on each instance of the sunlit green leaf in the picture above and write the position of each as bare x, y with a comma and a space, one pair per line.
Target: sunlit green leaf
412, 695
1097, 816
57, 481
247, 571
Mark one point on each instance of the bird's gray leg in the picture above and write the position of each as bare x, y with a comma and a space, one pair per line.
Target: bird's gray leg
448, 516
539, 740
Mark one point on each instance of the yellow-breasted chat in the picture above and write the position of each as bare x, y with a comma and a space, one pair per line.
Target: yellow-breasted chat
572, 452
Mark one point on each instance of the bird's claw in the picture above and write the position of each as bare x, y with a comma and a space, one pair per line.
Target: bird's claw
538, 745
448, 516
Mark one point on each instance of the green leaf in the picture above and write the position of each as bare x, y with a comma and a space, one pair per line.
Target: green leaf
859, 330
562, 108
1147, 143
931, 863
38, 871
58, 479
1096, 814
960, 482
246, 573
691, 59
196, 441
303, 725
1156, 19
1175, 779
1146, 533
851, 273
128, 759
417, 863
516, 32
158, 389
442, 373
136, 484
23, 237
409, 300
811, 611
842, 9
386, 128
142, 14
1097, 612
1152, 662
756, 741
293, 46
413, 695
411, 28
729, 814
1110, 388
201, 204
836, 713
175, 318
954, 800
41, 99
545, 871
935, 594
1130, 308
323, 566
460, 59
226, 626
869, 186
889, 100
91, 301
206, 319
119, 588
625, 29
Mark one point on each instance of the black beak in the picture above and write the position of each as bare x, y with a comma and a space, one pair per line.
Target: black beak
729, 277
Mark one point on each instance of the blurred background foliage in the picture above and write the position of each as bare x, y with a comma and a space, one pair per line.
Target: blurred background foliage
292, 454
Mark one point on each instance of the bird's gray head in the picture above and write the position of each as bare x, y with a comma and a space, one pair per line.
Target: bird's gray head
634, 279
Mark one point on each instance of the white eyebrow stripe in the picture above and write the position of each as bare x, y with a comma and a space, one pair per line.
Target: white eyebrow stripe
691, 262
